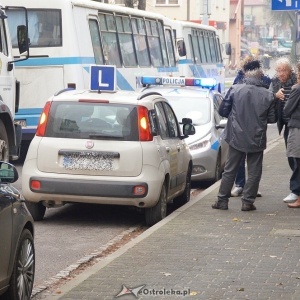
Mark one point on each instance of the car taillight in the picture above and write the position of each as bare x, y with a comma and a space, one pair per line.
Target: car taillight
41, 128
144, 124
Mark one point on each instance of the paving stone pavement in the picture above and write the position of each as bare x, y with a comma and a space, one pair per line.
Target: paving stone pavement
206, 253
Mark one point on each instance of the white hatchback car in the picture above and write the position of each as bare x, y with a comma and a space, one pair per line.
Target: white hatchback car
122, 148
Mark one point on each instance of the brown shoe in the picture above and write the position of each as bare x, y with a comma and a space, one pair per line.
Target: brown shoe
248, 207
295, 204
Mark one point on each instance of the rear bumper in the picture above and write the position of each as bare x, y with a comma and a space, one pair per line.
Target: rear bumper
61, 188
88, 188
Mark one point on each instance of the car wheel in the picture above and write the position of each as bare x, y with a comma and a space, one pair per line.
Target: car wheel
186, 195
37, 210
218, 170
159, 211
22, 278
4, 146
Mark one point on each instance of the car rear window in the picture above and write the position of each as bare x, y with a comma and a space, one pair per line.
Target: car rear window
82, 120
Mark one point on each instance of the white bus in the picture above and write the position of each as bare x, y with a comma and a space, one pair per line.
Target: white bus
199, 52
67, 36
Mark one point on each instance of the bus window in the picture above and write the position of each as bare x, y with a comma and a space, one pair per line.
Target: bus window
126, 41
211, 40
44, 27
202, 47
140, 42
163, 44
207, 48
3, 41
154, 43
110, 42
95, 37
170, 47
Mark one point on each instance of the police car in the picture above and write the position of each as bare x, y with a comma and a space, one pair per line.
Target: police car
195, 98
108, 147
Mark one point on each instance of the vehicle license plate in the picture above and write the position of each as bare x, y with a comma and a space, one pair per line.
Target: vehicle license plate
21, 122
88, 160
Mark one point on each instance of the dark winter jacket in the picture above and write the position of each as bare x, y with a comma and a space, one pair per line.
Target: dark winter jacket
275, 86
292, 108
249, 108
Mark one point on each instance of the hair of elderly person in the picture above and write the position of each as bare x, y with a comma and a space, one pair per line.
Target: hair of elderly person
284, 61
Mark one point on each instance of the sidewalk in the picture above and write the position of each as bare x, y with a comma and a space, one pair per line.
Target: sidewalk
206, 253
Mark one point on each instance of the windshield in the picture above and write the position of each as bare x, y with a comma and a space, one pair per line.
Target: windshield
44, 26
197, 109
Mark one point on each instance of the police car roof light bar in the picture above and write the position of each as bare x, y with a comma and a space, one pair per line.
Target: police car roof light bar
208, 83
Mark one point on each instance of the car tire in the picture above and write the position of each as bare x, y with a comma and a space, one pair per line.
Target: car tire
159, 211
4, 146
186, 195
37, 210
218, 169
22, 278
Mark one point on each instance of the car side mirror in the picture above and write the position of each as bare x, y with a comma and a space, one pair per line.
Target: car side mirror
23, 42
188, 129
8, 172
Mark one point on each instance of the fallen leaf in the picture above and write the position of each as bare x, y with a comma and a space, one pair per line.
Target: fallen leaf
193, 293
236, 219
241, 290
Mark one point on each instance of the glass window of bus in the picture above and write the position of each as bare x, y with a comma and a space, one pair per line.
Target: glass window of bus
154, 43
3, 38
170, 47
140, 42
202, 46
218, 46
126, 41
48, 24
96, 43
212, 47
109, 39
44, 26
161, 35
195, 49
207, 47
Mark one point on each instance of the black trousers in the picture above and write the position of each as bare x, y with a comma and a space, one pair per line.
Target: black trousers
254, 164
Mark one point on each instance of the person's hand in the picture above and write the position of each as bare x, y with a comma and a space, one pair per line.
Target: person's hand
280, 94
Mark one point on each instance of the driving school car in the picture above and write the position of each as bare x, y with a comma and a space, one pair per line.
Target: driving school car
195, 98
108, 147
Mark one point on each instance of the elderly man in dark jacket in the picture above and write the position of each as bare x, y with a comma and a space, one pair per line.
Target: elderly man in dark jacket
281, 85
249, 108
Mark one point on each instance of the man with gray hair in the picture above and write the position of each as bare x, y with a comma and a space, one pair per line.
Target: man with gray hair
281, 86
249, 108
